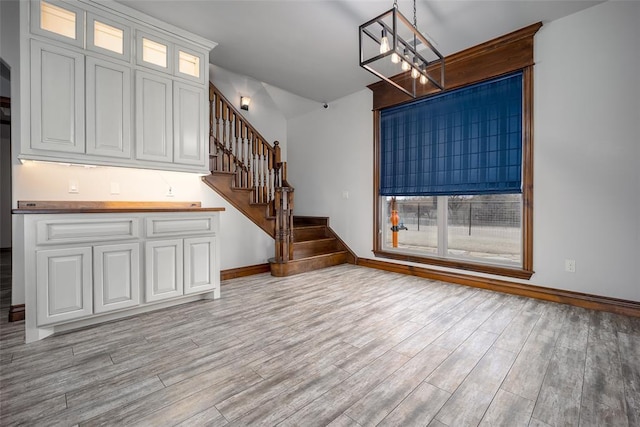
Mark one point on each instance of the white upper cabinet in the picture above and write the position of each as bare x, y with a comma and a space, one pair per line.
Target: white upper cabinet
110, 86
108, 104
154, 118
57, 98
188, 130
58, 21
108, 37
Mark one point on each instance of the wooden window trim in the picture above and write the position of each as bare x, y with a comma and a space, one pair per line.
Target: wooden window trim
503, 55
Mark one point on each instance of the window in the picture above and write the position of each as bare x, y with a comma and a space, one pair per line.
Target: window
451, 167
477, 228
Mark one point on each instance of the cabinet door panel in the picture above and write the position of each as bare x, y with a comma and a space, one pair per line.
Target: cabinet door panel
108, 109
154, 121
199, 264
63, 284
116, 276
163, 269
57, 98
190, 117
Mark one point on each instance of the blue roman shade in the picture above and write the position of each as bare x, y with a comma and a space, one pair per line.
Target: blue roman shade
466, 141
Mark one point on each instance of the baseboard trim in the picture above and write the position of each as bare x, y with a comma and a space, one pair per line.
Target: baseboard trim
16, 313
595, 302
249, 270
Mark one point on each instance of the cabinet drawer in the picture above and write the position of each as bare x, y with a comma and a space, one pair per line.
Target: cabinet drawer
58, 232
159, 227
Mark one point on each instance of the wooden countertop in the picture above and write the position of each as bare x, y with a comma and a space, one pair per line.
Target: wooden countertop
69, 207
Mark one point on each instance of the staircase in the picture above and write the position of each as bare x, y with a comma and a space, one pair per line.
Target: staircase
248, 172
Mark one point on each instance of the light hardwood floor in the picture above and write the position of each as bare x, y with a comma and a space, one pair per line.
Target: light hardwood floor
344, 346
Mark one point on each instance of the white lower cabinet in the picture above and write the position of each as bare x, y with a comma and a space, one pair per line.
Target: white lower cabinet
200, 265
116, 276
94, 267
64, 285
176, 267
163, 269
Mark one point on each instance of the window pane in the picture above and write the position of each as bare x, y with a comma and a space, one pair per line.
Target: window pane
57, 20
108, 37
485, 228
188, 64
418, 229
154, 53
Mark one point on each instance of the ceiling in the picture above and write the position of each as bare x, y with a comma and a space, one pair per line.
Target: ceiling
310, 47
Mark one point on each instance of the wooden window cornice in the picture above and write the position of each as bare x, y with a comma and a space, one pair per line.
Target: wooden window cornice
502, 55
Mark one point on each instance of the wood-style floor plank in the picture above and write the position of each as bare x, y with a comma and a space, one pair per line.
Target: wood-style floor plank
468, 403
344, 346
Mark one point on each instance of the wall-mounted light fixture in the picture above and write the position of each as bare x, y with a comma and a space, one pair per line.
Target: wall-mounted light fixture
244, 102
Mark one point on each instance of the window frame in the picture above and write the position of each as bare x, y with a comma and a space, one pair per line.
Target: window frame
525, 271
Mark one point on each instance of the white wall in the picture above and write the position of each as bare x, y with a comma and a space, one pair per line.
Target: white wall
264, 115
587, 150
330, 153
586, 178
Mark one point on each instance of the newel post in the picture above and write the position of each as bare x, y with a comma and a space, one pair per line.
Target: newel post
284, 224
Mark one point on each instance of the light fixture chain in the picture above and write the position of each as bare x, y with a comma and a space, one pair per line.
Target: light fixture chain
415, 19
395, 4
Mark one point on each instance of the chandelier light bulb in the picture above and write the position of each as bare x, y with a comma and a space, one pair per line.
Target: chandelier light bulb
423, 79
415, 73
406, 66
384, 43
395, 58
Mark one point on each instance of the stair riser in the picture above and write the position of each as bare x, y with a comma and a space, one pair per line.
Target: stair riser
314, 247
311, 233
308, 264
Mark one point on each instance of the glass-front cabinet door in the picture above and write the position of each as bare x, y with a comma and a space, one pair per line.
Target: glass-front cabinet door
190, 64
154, 52
58, 21
108, 37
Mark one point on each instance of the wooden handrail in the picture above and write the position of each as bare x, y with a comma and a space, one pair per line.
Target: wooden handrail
237, 148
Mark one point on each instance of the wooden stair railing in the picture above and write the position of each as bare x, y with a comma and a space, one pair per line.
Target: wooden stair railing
250, 174
237, 149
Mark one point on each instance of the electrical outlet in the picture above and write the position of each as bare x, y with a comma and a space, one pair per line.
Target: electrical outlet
74, 187
170, 192
570, 265
345, 194
115, 188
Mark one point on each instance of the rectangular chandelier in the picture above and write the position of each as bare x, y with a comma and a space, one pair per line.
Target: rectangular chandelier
391, 46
